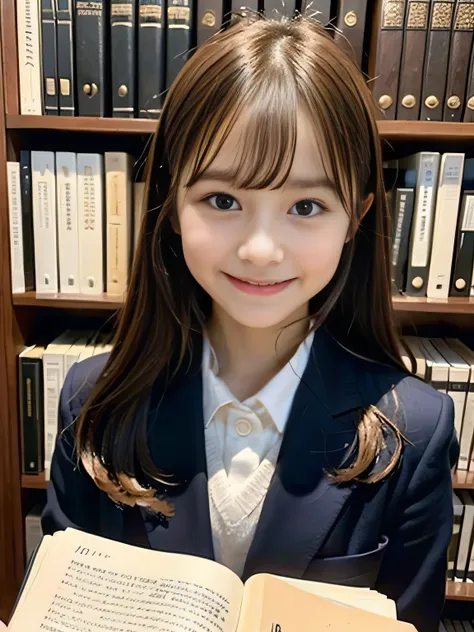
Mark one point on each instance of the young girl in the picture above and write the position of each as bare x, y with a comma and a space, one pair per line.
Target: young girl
255, 409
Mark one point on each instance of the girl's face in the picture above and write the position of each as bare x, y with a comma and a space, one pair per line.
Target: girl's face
263, 254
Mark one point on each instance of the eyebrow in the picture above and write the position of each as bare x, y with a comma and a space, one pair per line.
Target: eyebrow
292, 183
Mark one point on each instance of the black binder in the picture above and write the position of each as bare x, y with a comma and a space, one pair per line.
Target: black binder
151, 57
123, 52
178, 37
50, 58
27, 221
66, 85
209, 19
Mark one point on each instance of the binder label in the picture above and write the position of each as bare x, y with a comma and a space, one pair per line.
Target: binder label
424, 213
89, 8
468, 214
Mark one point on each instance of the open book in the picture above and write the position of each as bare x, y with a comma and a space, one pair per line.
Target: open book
83, 583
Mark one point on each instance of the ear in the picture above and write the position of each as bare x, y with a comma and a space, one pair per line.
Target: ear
367, 203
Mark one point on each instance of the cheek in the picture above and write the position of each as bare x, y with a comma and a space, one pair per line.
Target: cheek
319, 256
201, 248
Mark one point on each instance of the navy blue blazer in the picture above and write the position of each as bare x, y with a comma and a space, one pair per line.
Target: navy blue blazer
391, 536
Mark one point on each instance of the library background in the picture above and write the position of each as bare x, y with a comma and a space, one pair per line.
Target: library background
81, 87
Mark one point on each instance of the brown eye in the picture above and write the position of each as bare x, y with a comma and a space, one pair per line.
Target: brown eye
306, 208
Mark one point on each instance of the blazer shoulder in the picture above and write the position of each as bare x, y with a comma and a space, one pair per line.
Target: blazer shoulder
80, 381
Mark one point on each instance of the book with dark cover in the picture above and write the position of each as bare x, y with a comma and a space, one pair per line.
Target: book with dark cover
413, 57
123, 19
253, 5
66, 79
91, 58
385, 54
318, 9
210, 15
50, 57
468, 112
463, 258
276, 9
436, 60
458, 514
403, 205
459, 56
178, 36
350, 31
27, 221
151, 57
31, 410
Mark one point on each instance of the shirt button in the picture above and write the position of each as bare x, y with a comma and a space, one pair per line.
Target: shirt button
243, 427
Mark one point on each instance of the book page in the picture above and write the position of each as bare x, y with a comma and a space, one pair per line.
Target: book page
272, 605
89, 584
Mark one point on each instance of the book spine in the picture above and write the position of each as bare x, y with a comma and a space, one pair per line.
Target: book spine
413, 56
436, 62
123, 52
420, 244
31, 414
27, 221
464, 254
444, 233
178, 37
210, 15
454, 545
90, 206
138, 211
351, 27
403, 214
50, 57
53, 378
67, 85
44, 221
465, 537
118, 179
151, 58
467, 428
16, 229
68, 239
90, 40
461, 44
321, 11
385, 54
29, 56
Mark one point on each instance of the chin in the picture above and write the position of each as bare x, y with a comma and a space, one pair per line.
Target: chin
255, 320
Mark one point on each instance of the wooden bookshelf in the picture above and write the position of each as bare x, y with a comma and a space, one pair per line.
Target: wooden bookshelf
459, 591
34, 481
69, 301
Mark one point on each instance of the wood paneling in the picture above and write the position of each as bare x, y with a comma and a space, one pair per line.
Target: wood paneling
9, 56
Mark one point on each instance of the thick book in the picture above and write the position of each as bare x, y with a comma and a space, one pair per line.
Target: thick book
385, 53
437, 368
16, 228
49, 57
413, 57
210, 16
138, 211
119, 205
465, 539
413, 344
178, 37
90, 204
427, 168
78, 577
68, 238
73, 354
403, 205
91, 57
350, 32
27, 220
436, 61
44, 221
458, 513
33, 530
151, 57
123, 22
467, 435
66, 72
31, 398
463, 260
459, 57
29, 56
445, 222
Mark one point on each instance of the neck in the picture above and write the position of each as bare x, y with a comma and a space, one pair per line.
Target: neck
248, 357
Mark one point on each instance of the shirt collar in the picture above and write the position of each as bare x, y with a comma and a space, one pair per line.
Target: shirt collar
276, 396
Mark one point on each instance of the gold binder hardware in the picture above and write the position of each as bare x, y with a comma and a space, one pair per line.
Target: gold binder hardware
408, 101
87, 88
65, 87
350, 19
460, 284
454, 102
50, 86
385, 101
470, 103
417, 283
209, 19
123, 91
431, 102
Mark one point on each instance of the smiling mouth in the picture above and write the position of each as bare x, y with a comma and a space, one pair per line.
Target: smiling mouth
262, 288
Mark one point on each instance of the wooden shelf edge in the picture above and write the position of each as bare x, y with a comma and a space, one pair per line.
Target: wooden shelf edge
68, 301
81, 124
34, 481
453, 305
463, 480
459, 591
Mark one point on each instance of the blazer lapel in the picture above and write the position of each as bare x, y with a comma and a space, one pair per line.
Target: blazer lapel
302, 503
176, 440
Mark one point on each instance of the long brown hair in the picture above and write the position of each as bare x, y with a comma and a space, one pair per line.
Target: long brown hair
267, 69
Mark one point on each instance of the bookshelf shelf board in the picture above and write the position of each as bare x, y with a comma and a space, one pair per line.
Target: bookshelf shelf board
461, 591
463, 480
34, 481
430, 131
81, 124
68, 301
437, 305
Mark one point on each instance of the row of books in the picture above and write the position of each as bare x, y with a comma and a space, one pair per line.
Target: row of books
42, 369
118, 57
422, 61
448, 365
74, 221
461, 549
449, 625
432, 208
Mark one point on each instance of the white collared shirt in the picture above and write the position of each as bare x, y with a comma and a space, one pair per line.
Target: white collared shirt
243, 440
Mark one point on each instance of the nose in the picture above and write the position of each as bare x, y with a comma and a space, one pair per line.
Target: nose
261, 250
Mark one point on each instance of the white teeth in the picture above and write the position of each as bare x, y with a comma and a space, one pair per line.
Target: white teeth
262, 284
